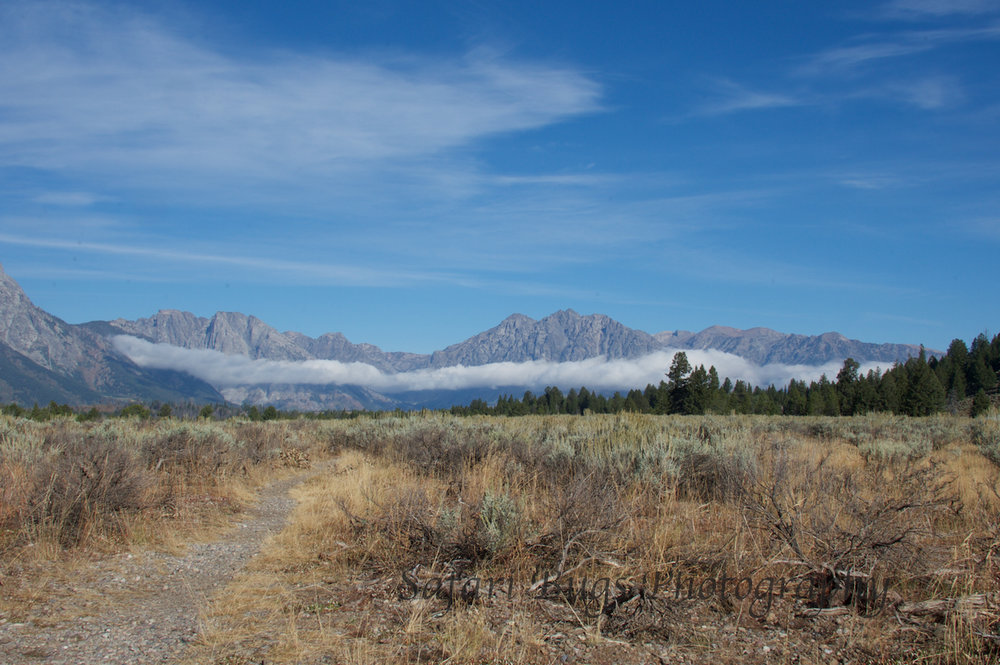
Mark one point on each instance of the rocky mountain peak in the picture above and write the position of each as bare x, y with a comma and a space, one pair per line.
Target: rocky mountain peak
11, 292
561, 336
31, 331
48, 357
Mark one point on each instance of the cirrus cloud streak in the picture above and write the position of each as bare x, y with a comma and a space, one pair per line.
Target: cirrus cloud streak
91, 88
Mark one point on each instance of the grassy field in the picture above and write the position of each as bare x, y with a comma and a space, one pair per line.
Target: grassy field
555, 539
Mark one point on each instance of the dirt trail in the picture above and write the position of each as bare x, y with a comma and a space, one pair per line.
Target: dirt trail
143, 608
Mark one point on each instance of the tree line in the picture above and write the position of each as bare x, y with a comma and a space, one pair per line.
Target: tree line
918, 387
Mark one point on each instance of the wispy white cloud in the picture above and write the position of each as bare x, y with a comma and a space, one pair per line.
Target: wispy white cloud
731, 97
568, 179
50, 272
871, 48
88, 88
928, 93
328, 273
69, 199
223, 370
869, 181
844, 57
920, 9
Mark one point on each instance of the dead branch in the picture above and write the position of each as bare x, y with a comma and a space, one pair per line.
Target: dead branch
966, 606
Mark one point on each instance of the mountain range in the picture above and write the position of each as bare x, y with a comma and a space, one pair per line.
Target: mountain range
43, 358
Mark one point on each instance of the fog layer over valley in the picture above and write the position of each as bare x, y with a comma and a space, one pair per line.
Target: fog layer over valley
598, 373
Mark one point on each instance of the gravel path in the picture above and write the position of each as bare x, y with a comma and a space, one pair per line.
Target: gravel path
143, 608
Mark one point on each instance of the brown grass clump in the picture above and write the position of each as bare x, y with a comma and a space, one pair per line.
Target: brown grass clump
83, 487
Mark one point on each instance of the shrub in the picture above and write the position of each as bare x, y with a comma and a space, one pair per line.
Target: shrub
82, 482
985, 432
134, 411
194, 449
837, 521
712, 467
499, 521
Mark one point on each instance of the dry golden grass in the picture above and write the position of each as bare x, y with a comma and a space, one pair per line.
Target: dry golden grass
913, 503
621, 497
72, 493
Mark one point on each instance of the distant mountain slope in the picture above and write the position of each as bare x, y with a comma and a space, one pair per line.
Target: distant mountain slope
317, 398
235, 333
43, 358
561, 337
26, 382
228, 332
764, 346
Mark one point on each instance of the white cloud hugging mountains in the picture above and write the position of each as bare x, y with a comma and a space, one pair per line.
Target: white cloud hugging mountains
222, 370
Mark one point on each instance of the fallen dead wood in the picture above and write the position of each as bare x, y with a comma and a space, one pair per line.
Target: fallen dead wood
967, 606
824, 611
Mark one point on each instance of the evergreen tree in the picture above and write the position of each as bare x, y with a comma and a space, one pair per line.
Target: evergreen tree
699, 392
14, 409
866, 397
958, 385
553, 400
847, 380
981, 375
638, 401
924, 393
980, 404
677, 385
741, 398
655, 398
795, 400
529, 401
829, 400
135, 411
891, 389
91, 415
572, 402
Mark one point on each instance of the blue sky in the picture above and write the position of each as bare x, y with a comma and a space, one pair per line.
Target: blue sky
410, 174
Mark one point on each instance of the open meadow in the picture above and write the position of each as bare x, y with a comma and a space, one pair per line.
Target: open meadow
544, 539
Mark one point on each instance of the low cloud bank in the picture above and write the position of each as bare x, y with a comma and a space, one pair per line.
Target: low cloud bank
223, 370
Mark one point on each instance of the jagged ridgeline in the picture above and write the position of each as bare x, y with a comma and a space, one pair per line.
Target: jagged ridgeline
44, 359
